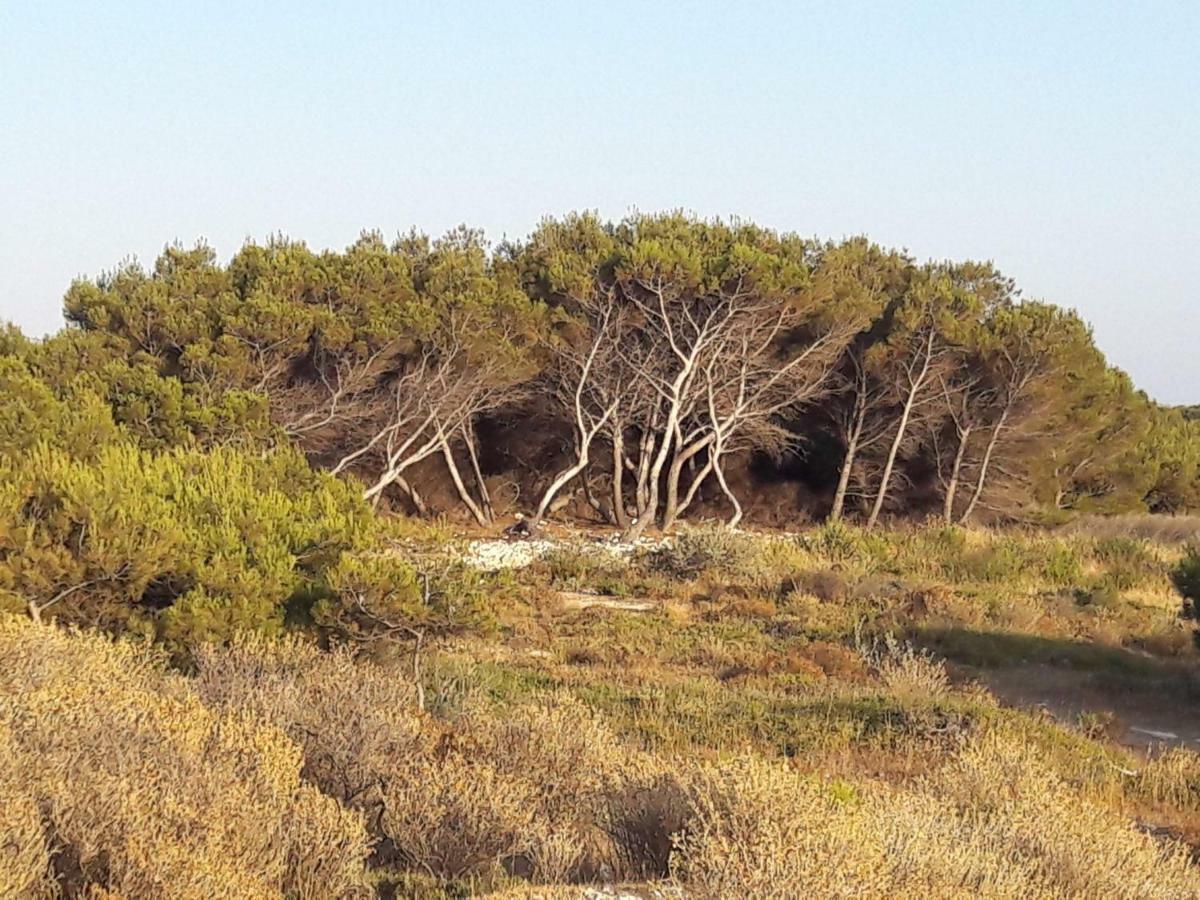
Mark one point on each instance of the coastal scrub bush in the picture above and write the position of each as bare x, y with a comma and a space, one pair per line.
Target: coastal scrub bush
143, 791
1186, 578
184, 545
698, 549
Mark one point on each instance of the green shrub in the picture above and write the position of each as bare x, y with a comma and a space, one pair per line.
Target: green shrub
1186, 578
381, 596
588, 568
834, 541
1128, 562
698, 549
1001, 562
1061, 565
184, 545
31, 414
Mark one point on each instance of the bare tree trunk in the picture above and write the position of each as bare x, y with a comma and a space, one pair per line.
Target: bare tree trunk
839, 496
563, 478
682, 457
649, 513
414, 495
485, 498
734, 519
694, 487
964, 435
620, 518
910, 401
646, 445
459, 486
983, 467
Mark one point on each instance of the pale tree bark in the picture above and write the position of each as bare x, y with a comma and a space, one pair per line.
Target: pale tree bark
620, 517
984, 463
590, 409
861, 427
485, 499
917, 376
686, 345
963, 434
476, 510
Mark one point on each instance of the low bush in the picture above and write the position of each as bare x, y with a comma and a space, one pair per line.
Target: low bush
143, 791
1186, 578
697, 549
995, 822
184, 546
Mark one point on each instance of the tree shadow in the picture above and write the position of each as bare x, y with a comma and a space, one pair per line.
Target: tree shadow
995, 650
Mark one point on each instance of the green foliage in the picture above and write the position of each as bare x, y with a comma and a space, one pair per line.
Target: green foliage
385, 597
285, 343
31, 414
1186, 577
183, 545
695, 550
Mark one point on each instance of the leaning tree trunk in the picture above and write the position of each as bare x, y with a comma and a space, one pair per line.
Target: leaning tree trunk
910, 402
413, 494
964, 435
983, 468
843, 485
582, 460
733, 520
485, 498
463, 494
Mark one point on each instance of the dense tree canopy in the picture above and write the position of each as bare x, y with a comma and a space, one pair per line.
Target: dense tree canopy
639, 371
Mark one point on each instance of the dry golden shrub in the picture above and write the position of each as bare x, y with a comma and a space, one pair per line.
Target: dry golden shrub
1172, 777
453, 817
994, 823
145, 792
567, 758
150, 793
24, 855
909, 674
757, 829
1072, 847
352, 719
438, 800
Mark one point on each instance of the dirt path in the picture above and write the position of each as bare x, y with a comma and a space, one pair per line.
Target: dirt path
1145, 713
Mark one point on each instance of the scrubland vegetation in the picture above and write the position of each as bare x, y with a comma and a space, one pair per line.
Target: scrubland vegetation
246, 656
797, 714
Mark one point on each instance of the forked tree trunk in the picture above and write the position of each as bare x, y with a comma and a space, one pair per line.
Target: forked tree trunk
910, 401
984, 464
671, 508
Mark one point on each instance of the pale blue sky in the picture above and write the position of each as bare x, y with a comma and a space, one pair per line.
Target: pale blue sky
1060, 139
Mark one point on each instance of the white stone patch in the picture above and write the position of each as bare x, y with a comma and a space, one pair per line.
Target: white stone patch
494, 555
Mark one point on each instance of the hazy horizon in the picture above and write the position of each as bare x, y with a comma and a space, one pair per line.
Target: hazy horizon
1059, 143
